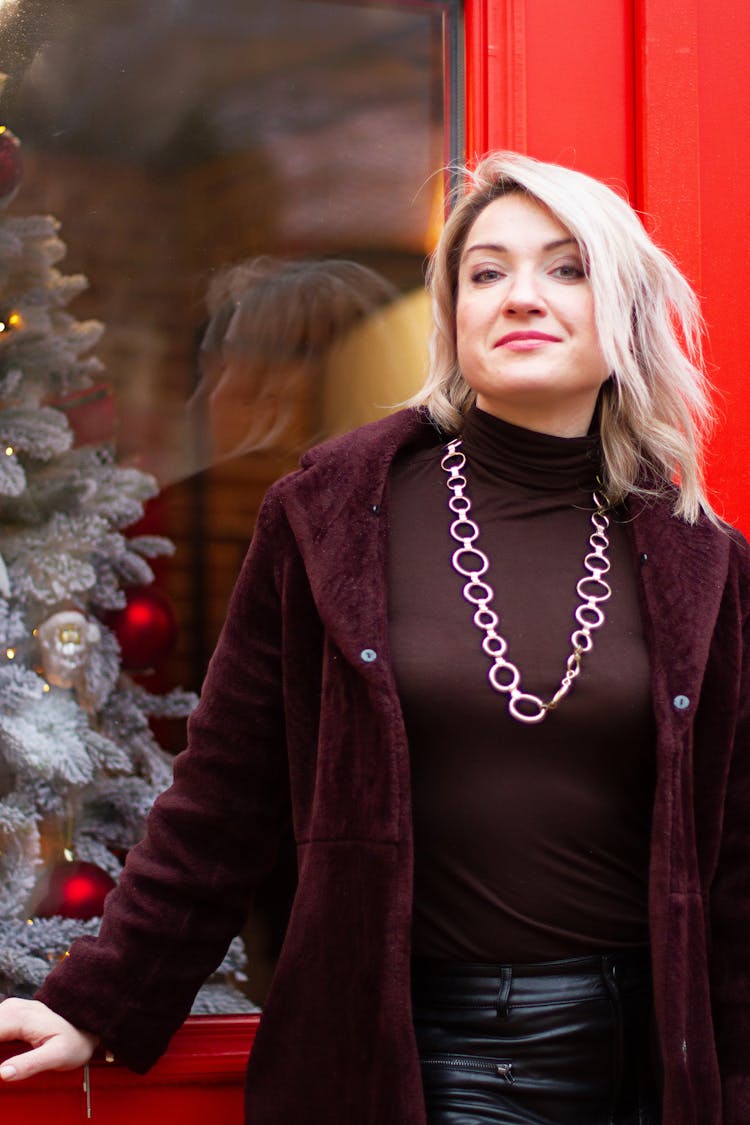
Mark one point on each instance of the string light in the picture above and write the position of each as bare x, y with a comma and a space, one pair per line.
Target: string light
10, 653
9, 451
11, 323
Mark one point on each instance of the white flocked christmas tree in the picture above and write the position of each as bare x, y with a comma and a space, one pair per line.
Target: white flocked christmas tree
79, 764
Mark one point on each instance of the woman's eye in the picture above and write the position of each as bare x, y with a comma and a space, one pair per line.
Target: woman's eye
485, 274
568, 271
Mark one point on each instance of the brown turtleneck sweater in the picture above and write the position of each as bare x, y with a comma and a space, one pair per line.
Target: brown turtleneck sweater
531, 842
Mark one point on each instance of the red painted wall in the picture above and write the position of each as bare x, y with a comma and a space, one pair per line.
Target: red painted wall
652, 96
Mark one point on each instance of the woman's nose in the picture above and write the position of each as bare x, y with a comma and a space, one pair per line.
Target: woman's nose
523, 293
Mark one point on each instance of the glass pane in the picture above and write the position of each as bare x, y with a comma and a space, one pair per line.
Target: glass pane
173, 140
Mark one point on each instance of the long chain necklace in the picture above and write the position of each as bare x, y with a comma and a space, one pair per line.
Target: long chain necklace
472, 563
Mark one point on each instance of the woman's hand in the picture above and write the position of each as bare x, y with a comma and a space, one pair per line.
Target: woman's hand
56, 1044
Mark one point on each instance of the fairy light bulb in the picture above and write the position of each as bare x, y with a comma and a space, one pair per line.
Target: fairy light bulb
12, 322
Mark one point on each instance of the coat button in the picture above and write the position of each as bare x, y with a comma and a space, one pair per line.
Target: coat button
681, 702
368, 655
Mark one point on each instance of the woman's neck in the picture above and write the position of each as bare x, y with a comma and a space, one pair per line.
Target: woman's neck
529, 458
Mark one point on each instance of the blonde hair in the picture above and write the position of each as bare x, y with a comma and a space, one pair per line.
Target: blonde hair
278, 319
655, 412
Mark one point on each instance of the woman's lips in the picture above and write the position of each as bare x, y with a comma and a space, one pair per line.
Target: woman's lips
526, 341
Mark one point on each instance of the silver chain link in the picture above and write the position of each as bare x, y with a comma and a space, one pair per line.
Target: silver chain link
592, 589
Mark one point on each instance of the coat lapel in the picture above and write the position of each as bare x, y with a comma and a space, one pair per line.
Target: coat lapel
338, 514
684, 569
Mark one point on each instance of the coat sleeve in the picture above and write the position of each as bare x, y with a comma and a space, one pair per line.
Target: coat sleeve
730, 894
211, 838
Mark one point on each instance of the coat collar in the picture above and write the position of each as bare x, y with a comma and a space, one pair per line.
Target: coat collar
350, 470
337, 509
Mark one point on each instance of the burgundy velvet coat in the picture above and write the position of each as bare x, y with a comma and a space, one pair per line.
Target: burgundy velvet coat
299, 721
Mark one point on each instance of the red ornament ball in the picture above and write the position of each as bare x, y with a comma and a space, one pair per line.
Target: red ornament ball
146, 628
11, 165
74, 889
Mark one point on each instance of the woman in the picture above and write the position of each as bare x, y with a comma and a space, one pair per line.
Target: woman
511, 807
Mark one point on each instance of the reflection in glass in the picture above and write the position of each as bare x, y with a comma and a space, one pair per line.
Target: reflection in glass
263, 356
173, 140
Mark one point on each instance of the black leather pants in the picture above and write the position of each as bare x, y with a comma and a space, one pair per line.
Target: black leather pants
557, 1043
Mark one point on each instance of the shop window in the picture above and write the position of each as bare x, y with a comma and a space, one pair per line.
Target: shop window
172, 140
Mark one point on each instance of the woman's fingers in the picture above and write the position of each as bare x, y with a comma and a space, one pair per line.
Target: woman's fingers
55, 1043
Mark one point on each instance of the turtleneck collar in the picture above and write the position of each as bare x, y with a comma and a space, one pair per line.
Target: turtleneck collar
528, 458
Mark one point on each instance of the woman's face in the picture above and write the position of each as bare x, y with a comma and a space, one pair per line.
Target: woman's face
253, 404
526, 336
244, 403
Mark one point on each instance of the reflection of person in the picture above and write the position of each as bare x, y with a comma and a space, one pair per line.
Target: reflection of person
264, 365
272, 324
500, 826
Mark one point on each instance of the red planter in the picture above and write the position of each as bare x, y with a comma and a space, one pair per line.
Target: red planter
200, 1078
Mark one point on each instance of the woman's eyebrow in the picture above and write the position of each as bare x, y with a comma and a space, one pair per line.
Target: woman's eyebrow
500, 249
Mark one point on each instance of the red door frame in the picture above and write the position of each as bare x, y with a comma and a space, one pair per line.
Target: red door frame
652, 96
